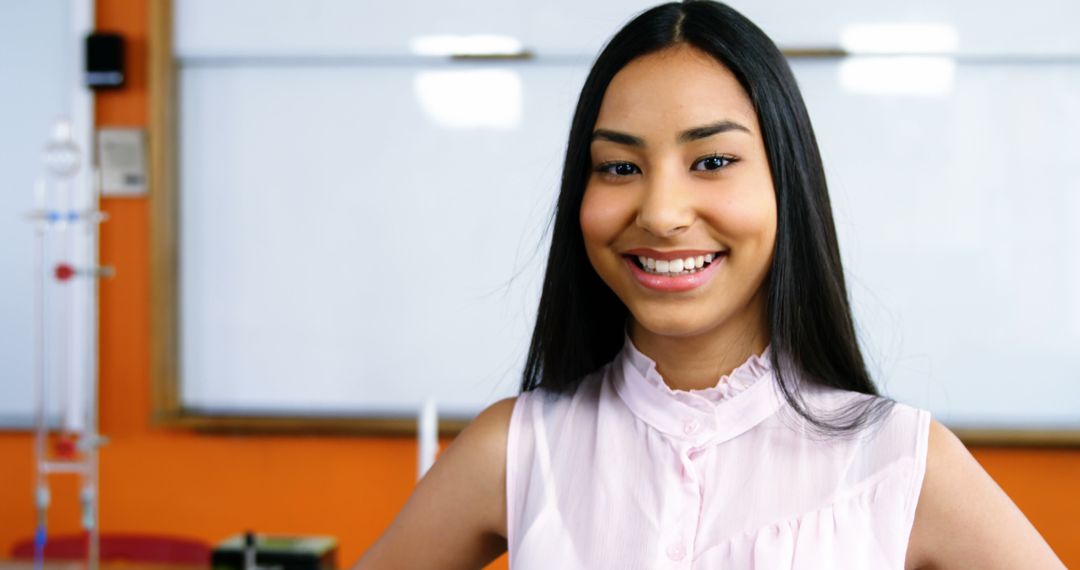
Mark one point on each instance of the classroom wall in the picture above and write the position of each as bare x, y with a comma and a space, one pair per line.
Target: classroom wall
210, 486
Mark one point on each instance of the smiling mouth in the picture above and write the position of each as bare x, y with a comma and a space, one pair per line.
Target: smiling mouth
675, 267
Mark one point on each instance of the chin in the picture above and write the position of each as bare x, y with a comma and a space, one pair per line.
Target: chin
664, 321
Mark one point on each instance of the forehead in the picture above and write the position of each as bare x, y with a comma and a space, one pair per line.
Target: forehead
673, 89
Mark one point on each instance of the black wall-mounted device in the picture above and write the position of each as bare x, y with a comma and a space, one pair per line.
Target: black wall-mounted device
104, 61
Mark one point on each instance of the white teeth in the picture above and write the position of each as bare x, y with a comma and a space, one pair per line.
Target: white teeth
676, 266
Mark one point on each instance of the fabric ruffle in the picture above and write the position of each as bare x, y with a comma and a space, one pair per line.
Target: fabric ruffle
741, 378
851, 524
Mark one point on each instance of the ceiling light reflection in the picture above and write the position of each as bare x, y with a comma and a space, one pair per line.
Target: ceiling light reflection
900, 38
917, 76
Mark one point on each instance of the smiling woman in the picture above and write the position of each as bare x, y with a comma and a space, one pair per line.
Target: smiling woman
695, 395
675, 179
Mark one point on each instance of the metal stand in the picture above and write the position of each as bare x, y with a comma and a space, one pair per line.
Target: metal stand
66, 227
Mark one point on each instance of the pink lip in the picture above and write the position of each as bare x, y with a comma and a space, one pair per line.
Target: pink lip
676, 284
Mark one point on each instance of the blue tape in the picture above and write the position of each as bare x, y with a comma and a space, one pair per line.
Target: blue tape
39, 546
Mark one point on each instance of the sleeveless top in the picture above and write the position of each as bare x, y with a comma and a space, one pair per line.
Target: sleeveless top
626, 473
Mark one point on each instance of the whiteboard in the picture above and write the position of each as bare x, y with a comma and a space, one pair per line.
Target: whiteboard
356, 239
957, 207
353, 242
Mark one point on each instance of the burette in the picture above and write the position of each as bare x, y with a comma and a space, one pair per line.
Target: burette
63, 310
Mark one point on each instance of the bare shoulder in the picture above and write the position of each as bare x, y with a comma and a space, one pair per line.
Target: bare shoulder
963, 519
490, 427
458, 510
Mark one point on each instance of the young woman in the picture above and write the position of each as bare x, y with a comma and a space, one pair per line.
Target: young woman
694, 396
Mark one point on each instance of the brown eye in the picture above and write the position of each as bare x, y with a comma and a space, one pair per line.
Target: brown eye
618, 169
714, 162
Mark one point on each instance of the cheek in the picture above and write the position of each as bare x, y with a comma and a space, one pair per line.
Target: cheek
749, 216
753, 221
603, 216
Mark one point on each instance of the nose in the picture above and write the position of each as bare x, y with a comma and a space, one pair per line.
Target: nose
666, 208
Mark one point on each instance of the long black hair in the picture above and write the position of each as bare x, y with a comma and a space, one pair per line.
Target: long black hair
580, 322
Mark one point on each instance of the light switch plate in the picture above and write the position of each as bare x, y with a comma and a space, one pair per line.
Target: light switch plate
122, 160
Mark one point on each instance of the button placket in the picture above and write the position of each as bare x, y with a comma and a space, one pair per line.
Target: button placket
688, 471
695, 430
676, 546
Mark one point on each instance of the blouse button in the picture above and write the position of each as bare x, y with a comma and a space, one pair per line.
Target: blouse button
676, 551
691, 427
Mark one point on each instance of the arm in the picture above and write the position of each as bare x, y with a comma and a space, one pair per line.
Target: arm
456, 516
964, 520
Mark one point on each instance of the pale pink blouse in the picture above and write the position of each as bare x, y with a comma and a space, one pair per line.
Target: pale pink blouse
627, 473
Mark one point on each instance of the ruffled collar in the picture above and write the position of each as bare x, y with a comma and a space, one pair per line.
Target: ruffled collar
737, 402
755, 367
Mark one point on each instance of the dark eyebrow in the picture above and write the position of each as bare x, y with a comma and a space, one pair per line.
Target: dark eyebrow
617, 137
710, 130
686, 136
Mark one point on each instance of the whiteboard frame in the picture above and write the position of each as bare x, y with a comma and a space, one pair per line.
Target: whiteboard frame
167, 409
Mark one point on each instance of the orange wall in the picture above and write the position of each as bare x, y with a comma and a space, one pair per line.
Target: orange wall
211, 486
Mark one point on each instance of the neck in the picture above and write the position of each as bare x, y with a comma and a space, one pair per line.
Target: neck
697, 361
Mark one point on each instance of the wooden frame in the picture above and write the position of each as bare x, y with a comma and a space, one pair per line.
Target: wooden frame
163, 247
164, 358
